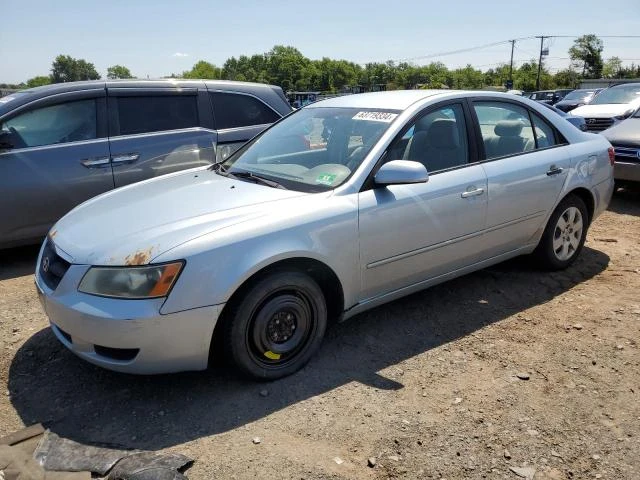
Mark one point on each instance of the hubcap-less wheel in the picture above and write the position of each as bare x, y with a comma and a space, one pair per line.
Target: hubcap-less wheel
567, 233
280, 328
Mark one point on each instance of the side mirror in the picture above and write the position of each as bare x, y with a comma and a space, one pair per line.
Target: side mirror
398, 172
5, 140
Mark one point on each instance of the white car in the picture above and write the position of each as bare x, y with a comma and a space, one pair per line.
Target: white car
610, 106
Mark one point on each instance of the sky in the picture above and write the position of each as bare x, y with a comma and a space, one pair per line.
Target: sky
157, 38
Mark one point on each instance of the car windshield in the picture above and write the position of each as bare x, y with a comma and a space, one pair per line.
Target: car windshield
622, 94
578, 94
313, 149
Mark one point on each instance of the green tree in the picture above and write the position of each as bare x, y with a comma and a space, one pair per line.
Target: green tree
38, 81
567, 78
68, 69
118, 71
587, 53
204, 70
612, 68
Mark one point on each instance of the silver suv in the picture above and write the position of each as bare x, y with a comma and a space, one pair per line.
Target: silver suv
63, 144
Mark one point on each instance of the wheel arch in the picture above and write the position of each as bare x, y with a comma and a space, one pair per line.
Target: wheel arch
320, 272
587, 197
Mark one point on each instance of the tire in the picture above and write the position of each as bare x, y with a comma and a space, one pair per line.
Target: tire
564, 235
276, 325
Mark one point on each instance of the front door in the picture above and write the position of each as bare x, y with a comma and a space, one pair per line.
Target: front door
56, 158
410, 233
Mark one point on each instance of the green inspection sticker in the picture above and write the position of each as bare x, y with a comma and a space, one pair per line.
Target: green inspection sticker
326, 178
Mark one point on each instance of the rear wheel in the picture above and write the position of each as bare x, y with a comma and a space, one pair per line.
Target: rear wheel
564, 235
276, 326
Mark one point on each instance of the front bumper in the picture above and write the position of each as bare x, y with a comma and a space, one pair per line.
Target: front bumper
130, 336
629, 171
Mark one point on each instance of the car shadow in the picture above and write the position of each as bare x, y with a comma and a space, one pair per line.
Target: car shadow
18, 261
76, 400
626, 200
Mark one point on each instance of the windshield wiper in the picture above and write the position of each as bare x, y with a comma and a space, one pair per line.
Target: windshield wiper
256, 179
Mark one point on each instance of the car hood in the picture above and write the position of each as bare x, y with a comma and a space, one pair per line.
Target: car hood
134, 224
626, 133
606, 110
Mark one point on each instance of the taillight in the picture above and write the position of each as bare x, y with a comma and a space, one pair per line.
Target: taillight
612, 156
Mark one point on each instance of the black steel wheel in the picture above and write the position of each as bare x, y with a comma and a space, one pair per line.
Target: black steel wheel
276, 325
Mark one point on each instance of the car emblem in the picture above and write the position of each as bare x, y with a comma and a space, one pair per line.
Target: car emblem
45, 264
591, 120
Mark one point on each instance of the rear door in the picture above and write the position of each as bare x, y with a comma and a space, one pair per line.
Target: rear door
155, 131
526, 162
238, 118
58, 158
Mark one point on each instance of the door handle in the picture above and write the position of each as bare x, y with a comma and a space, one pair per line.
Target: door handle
472, 193
125, 158
553, 170
96, 162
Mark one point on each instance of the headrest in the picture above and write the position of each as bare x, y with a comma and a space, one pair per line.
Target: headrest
508, 128
443, 133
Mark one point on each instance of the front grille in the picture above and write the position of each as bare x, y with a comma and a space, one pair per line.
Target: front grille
598, 124
627, 154
52, 266
121, 354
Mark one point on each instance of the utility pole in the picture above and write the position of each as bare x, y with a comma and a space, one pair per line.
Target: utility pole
540, 61
513, 43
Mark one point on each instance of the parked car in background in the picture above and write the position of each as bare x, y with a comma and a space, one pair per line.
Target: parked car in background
574, 120
610, 106
577, 98
625, 138
549, 96
398, 191
63, 144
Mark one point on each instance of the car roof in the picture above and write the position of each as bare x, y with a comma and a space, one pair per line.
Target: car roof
26, 96
393, 100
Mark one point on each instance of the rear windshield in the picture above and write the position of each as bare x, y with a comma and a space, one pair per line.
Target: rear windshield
621, 94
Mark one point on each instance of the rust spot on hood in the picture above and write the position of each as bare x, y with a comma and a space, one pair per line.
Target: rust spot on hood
52, 234
141, 257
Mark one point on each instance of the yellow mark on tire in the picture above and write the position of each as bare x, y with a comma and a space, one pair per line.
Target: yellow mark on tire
272, 356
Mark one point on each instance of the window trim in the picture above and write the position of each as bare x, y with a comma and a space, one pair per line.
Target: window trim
474, 154
234, 92
114, 111
561, 141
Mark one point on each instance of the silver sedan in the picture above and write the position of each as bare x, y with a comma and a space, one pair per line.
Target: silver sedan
339, 207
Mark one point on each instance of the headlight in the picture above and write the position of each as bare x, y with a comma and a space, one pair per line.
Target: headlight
150, 281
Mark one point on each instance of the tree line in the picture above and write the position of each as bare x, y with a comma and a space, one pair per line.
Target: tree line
287, 67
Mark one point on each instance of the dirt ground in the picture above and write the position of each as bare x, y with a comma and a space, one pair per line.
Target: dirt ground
506, 369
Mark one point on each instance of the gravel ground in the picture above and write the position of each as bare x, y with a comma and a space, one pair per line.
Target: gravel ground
506, 373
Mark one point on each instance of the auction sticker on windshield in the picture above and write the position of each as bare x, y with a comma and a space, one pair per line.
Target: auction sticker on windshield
326, 179
385, 117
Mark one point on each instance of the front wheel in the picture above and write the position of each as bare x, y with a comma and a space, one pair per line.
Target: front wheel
564, 235
276, 326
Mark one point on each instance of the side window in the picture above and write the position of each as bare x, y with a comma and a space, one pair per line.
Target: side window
62, 123
438, 140
505, 128
143, 114
233, 110
545, 135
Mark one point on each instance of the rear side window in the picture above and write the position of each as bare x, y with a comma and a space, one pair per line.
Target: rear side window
61, 123
505, 128
545, 134
143, 114
232, 110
